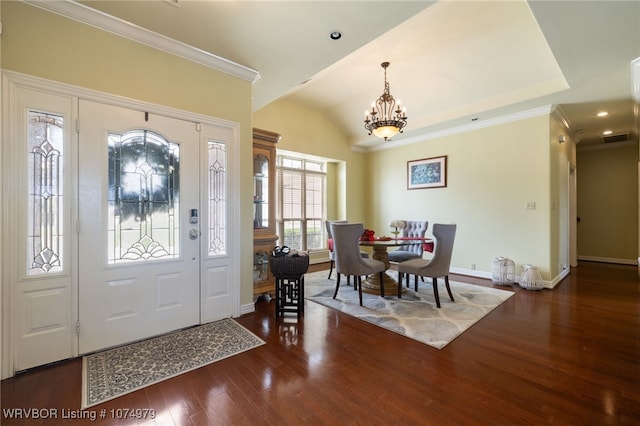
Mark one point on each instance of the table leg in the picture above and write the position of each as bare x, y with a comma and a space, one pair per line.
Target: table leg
372, 283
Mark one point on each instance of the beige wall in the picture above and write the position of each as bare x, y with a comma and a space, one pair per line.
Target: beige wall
608, 203
46, 45
308, 132
492, 173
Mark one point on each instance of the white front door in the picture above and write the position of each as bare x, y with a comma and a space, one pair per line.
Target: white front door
139, 248
99, 244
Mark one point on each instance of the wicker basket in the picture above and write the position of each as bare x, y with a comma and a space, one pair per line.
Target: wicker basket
503, 271
531, 278
289, 266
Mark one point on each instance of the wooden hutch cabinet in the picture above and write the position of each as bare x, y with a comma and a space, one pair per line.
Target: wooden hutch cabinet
264, 209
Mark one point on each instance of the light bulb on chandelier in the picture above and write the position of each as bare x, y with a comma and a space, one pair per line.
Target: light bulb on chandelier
386, 119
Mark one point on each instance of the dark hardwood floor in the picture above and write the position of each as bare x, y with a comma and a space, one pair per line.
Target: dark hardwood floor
565, 356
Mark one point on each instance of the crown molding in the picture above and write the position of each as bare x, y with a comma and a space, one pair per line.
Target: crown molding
65, 89
83, 14
476, 125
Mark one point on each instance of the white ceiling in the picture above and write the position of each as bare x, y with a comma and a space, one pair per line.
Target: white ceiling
451, 61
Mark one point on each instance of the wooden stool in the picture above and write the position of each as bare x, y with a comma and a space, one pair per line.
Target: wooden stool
289, 294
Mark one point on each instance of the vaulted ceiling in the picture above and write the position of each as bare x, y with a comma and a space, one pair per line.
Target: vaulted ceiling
452, 62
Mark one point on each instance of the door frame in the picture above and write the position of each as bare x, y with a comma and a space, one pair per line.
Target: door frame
8, 312
573, 215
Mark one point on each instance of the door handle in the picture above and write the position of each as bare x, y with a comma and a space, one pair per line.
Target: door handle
194, 234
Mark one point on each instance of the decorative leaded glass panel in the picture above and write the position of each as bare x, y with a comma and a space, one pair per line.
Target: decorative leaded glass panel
45, 185
144, 197
260, 191
217, 198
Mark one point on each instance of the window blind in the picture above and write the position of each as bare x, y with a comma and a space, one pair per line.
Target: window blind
301, 201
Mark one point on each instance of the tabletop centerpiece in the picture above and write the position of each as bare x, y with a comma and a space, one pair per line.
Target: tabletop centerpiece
368, 235
395, 224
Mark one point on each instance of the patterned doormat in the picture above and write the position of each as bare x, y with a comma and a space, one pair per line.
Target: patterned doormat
414, 315
115, 372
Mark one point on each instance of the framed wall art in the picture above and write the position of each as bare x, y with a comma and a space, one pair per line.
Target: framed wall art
427, 173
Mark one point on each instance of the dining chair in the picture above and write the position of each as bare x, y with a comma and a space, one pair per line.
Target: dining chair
332, 258
412, 229
437, 266
349, 261
332, 255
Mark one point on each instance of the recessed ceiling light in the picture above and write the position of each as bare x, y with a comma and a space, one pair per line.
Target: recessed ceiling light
607, 132
335, 35
602, 114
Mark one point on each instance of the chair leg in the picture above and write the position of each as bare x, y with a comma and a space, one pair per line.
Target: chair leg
407, 279
415, 283
399, 284
435, 291
446, 282
382, 283
337, 286
357, 281
331, 262
349, 281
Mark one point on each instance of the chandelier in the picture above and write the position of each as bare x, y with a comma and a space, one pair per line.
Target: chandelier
385, 119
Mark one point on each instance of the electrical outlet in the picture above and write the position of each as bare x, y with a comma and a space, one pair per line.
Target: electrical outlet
531, 205
473, 266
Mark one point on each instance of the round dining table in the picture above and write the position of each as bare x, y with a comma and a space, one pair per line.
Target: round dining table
380, 246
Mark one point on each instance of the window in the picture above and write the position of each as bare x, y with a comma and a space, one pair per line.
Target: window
217, 197
301, 195
144, 197
45, 239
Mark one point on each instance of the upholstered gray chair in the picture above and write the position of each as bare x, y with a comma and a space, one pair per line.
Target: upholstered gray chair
332, 257
412, 229
349, 261
437, 266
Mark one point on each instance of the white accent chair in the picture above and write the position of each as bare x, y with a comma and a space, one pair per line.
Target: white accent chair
437, 266
348, 259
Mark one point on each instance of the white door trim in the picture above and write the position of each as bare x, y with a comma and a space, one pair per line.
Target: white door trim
10, 79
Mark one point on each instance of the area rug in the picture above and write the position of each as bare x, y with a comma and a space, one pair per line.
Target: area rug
115, 372
414, 315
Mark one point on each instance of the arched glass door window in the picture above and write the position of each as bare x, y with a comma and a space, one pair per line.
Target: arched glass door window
144, 197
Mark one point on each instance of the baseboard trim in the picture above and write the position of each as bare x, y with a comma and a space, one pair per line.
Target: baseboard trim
471, 273
247, 309
609, 260
484, 274
551, 284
